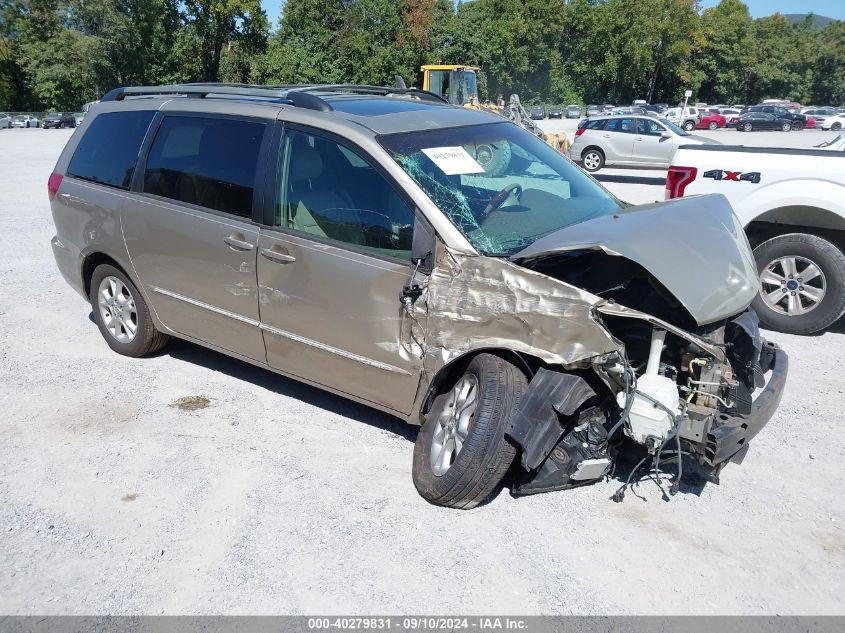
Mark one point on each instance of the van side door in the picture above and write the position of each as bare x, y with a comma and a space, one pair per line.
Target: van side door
332, 263
189, 227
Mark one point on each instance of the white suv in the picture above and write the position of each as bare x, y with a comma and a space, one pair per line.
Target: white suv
686, 118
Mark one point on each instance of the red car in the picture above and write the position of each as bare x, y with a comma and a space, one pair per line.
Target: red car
711, 121
811, 123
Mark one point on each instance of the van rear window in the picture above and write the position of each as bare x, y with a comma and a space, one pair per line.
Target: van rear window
109, 149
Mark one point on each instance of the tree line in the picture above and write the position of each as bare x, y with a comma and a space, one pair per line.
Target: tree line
59, 54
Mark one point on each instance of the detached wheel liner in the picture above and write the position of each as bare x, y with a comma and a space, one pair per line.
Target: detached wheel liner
475, 470
122, 314
802, 283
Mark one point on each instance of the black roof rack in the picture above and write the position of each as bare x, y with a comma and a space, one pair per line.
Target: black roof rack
299, 95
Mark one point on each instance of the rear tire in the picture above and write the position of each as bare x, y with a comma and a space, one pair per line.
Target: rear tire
747, 127
797, 125
803, 249
836, 127
713, 125
592, 159
128, 307
471, 475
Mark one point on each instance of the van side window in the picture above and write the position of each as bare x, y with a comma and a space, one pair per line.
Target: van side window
209, 162
108, 151
332, 192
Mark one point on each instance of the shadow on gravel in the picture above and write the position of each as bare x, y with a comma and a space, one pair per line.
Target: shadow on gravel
198, 355
630, 180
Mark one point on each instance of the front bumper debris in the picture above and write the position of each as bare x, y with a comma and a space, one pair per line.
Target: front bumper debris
729, 441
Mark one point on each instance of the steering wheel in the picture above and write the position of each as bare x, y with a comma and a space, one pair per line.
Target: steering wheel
499, 199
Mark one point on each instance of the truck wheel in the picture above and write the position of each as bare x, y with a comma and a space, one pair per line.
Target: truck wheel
461, 453
802, 283
592, 159
689, 126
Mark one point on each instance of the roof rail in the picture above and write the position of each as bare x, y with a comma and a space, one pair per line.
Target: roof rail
424, 95
300, 95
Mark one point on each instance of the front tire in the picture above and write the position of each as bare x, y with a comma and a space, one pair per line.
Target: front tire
786, 127
713, 125
802, 283
461, 454
122, 314
592, 160
747, 127
836, 127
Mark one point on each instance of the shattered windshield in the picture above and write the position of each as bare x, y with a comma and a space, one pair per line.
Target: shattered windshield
503, 187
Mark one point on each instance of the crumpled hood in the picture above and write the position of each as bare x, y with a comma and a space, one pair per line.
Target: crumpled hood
696, 247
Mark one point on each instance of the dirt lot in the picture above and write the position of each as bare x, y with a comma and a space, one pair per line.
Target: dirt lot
261, 495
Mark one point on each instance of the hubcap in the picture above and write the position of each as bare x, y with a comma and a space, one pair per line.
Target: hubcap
117, 309
591, 160
454, 424
792, 285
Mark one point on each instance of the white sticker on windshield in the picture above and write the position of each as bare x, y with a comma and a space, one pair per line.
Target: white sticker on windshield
453, 160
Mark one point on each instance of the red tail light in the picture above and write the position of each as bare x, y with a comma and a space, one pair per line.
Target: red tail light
53, 184
677, 180
580, 131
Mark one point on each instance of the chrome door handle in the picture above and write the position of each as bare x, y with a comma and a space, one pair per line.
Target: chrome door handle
277, 256
236, 241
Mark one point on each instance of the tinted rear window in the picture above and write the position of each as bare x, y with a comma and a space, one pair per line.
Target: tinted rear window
108, 151
209, 162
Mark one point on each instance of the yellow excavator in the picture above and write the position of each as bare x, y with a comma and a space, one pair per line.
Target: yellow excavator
458, 84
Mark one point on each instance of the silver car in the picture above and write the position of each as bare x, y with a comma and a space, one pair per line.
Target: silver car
440, 264
5, 120
629, 141
25, 121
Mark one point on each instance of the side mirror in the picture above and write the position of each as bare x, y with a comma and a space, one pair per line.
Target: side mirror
422, 246
665, 134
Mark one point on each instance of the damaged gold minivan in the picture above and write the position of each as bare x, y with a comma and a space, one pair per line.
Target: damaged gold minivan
437, 263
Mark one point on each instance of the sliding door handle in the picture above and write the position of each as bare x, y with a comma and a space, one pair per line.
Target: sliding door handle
237, 241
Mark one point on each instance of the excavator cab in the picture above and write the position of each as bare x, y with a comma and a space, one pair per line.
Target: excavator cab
457, 84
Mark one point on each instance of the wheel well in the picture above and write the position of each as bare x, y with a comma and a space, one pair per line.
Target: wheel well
825, 224
449, 373
89, 265
589, 147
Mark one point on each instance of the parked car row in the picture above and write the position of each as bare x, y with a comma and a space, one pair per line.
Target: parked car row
54, 120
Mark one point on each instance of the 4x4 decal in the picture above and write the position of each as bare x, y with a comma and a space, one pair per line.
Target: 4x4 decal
736, 176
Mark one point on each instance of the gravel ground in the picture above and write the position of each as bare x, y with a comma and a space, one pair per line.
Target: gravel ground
278, 498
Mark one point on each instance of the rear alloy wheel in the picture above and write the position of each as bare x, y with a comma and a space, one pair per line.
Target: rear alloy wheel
802, 283
689, 126
713, 125
121, 313
786, 127
747, 127
798, 125
836, 127
461, 454
593, 160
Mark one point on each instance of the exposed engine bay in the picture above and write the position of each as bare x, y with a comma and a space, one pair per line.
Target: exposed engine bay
680, 391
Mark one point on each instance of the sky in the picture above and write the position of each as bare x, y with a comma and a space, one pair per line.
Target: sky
758, 8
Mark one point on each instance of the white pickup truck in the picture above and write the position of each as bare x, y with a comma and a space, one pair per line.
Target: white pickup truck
792, 205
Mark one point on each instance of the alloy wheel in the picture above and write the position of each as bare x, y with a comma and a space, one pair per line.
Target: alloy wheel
454, 424
592, 161
792, 285
117, 309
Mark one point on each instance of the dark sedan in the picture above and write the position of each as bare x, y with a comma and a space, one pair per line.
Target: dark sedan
537, 112
555, 112
762, 121
59, 119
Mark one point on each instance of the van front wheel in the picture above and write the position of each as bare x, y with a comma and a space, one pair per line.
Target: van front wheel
461, 454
